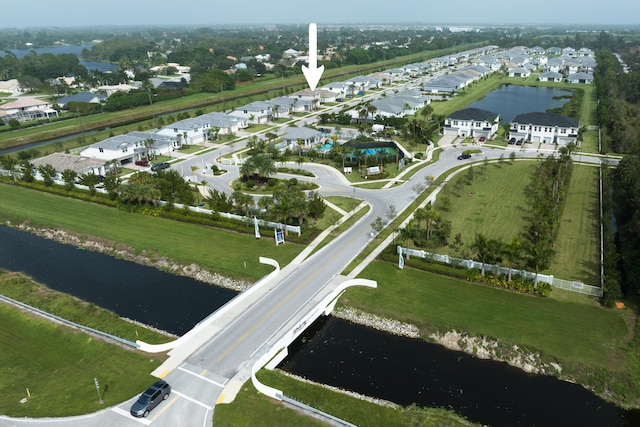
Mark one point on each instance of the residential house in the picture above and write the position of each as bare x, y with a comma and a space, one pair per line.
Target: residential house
546, 128
290, 53
26, 109
11, 85
255, 112
128, 148
472, 122
519, 72
448, 83
580, 78
61, 162
199, 129
89, 97
550, 76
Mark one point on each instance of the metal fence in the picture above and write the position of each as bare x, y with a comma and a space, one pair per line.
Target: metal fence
497, 269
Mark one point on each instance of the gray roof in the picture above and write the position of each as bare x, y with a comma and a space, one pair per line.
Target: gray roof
546, 119
62, 162
129, 139
214, 119
389, 105
303, 133
81, 97
474, 114
580, 76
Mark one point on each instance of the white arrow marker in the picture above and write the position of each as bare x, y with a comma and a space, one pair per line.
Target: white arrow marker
313, 73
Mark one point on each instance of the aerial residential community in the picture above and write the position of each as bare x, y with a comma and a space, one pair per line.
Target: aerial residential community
442, 232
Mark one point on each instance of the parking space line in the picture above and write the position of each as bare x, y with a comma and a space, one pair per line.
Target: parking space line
204, 405
200, 376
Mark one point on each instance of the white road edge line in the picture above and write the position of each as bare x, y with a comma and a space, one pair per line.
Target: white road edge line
192, 400
201, 377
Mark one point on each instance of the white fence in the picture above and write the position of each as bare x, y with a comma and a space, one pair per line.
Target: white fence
262, 223
497, 269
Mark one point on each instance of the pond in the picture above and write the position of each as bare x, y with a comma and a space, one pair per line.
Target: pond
510, 100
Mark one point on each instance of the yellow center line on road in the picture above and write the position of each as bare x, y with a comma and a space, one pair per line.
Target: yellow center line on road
165, 407
277, 306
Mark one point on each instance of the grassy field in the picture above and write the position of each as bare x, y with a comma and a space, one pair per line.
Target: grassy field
213, 249
493, 204
253, 409
58, 366
578, 242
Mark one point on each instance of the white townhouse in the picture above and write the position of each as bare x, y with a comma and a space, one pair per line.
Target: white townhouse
199, 129
128, 148
339, 88
546, 128
255, 112
472, 122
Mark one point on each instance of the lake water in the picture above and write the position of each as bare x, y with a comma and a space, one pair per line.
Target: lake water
510, 100
75, 50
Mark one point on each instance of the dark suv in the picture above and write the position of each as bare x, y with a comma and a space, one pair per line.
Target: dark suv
150, 398
160, 166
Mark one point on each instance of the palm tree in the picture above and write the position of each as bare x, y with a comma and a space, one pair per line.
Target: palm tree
362, 114
539, 255
481, 246
513, 252
186, 140
371, 109
276, 110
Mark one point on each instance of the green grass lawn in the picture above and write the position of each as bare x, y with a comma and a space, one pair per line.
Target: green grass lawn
578, 242
493, 204
580, 332
216, 250
58, 366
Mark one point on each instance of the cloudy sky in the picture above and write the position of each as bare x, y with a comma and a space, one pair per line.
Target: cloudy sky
66, 13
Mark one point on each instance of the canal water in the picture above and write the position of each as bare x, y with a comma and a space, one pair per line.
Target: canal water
171, 303
405, 371
510, 100
332, 351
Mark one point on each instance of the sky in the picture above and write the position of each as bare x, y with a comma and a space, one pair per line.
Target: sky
82, 13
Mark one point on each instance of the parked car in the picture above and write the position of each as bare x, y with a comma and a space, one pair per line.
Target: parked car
144, 163
151, 398
464, 156
520, 141
512, 141
160, 166
482, 139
